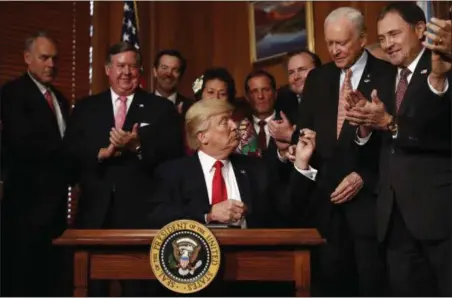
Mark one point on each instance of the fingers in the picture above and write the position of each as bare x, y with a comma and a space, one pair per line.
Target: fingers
135, 128
349, 186
283, 116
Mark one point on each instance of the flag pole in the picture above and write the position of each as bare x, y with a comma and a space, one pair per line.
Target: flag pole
135, 7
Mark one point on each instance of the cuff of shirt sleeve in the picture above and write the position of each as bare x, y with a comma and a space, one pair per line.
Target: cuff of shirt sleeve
282, 159
439, 93
361, 141
311, 173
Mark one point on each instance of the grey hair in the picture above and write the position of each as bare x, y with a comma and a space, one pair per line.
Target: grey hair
32, 38
352, 14
122, 47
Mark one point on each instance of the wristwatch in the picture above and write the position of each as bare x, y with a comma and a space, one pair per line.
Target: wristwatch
392, 127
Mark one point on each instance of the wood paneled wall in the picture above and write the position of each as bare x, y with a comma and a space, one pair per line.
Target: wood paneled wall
208, 34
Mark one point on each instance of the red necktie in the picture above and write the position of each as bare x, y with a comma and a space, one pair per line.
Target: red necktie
345, 90
402, 86
48, 97
219, 192
262, 137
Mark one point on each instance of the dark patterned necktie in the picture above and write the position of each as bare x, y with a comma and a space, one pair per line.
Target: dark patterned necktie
262, 137
402, 87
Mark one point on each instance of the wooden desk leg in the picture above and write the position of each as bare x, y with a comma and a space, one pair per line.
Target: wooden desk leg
81, 274
302, 273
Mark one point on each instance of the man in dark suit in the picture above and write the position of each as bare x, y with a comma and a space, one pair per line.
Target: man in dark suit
169, 68
116, 139
298, 63
343, 204
33, 120
216, 186
260, 90
413, 124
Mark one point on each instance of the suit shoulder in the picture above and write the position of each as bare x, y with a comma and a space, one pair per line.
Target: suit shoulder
173, 167
159, 101
90, 100
17, 84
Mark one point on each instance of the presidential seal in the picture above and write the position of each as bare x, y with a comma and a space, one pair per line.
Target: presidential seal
185, 256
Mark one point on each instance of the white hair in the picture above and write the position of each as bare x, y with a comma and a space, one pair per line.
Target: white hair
352, 14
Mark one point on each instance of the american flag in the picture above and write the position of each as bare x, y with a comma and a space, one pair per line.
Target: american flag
130, 29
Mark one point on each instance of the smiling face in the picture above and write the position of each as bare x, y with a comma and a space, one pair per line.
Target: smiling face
298, 68
344, 43
123, 73
168, 73
400, 40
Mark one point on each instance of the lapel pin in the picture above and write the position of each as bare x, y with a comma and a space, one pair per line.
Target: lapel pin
424, 71
141, 105
366, 81
242, 172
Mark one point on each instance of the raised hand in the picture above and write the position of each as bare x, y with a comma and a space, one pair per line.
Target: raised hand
281, 130
305, 148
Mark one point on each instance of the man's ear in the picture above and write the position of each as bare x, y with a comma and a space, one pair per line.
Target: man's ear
203, 137
154, 72
107, 69
420, 29
27, 57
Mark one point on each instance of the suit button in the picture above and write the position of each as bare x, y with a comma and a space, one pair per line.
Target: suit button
392, 151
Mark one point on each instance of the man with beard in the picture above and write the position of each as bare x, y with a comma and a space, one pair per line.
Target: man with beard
169, 68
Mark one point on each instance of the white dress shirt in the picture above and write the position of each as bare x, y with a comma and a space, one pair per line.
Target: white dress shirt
116, 102
257, 127
412, 68
232, 188
60, 120
171, 98
357, 72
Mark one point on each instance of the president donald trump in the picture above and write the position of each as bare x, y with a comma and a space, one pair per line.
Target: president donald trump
216, 186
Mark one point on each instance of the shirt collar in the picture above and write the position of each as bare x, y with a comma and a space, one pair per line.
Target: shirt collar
41, 87
172, 97
414, 63
256, 119
208, 161
360, 64
115, 96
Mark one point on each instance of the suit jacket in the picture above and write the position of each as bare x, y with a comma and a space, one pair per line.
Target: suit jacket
336, 158
35, 187
416, 166
287, 102
181, 192
113, 191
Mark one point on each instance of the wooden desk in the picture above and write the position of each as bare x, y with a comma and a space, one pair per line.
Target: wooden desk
246, 255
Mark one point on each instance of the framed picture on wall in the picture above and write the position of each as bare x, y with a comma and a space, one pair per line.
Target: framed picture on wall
278, 27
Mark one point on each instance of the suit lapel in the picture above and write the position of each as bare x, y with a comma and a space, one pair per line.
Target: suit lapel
197, 178
243, 182
365, 86
106, 114
331, 107
133, 112
417, 80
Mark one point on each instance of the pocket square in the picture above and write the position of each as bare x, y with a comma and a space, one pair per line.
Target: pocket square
141, 105
424, 71
143, 124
